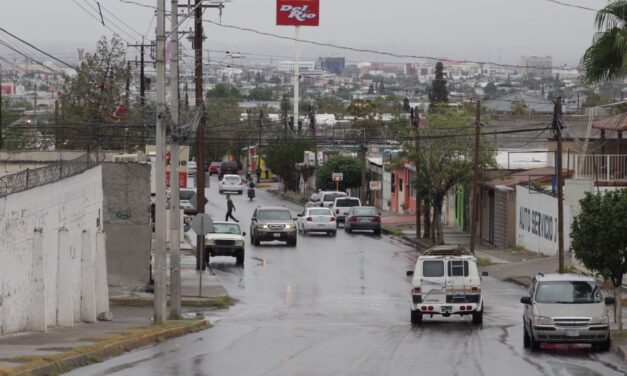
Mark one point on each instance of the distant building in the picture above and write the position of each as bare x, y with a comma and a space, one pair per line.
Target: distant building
303, 66
536, 65
505, 104
332, 64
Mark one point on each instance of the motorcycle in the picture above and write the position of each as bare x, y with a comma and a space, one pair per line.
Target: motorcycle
251, 193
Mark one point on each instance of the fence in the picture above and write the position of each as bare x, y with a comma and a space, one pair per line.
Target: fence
31, 178
605, 167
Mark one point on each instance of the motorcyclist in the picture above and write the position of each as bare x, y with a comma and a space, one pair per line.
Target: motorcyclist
251, 189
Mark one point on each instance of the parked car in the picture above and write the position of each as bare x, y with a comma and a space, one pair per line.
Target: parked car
214, 168
228, 167
327, 198
314, 200
316, 219
185, 196
446, 282
342, 205
272, 223
566, 308
225, 239
363, 218
191, 168
231, 183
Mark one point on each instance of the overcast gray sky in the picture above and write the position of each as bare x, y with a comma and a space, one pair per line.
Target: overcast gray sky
492, 30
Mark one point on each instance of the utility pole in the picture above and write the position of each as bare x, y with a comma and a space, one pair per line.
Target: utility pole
415, 122
200, 132
57, 137
175, 213
557, 131
312, 124
160, 223
260, 130
248, 119
474, 209
142, 86
363, 148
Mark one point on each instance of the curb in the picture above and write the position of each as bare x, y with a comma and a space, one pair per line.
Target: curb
618, 350
218, 302
517, 281
110, 350
416, 243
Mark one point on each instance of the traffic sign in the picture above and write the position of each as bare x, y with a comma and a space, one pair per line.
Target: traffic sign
202, 224
375, 185
337, 176
194, 201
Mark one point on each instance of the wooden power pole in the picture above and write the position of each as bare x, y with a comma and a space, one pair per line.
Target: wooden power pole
474, 208
557, 131
200, 132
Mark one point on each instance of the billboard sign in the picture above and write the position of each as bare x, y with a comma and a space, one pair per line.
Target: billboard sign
297, 12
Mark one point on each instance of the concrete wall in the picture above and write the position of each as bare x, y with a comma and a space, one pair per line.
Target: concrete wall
47, 247
127, 223
536, 222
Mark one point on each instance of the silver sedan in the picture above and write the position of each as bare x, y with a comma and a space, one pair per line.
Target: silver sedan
316, 219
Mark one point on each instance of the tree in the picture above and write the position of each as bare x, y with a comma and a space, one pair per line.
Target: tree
519, 107
490, 89
445, 159
281, 156
223, 91
594, 100
91, 98
371, 89
606, 58
260, 94
599, 238
439, 93
349, 166
362, 108
406, 106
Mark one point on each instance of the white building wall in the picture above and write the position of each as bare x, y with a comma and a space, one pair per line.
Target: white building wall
536, 222
75, 204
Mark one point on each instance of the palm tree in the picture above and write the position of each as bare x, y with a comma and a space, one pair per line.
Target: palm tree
606, 58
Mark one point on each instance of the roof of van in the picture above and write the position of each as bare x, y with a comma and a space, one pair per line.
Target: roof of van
447, 250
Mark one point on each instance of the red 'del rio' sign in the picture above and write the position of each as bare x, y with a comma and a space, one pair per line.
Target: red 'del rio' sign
298, 12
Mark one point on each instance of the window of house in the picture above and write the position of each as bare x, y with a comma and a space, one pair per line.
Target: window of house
400, 185
393, 185
412, 187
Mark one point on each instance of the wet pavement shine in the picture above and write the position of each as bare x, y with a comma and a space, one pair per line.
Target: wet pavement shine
340, 306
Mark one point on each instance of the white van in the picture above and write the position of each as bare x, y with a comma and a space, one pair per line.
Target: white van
446, 281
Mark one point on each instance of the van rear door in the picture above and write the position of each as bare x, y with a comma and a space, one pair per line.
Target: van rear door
433, 281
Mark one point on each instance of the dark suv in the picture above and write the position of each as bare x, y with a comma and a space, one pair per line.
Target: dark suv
228, 168
272, 223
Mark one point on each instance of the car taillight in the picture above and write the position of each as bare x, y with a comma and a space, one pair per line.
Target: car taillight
473, 290
332, 219
415, 291
353, 219
376, 219
309, 219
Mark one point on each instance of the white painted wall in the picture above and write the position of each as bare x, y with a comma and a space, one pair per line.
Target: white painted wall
72, 206
536, 222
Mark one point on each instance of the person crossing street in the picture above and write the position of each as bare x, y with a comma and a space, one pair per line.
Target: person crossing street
230, 208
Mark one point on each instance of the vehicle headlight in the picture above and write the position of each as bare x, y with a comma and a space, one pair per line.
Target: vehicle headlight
289, 226
209, 242
542, 320
239, 243
603, 320
264, 226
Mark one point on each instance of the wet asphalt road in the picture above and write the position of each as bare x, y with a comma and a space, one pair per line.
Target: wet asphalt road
340, 306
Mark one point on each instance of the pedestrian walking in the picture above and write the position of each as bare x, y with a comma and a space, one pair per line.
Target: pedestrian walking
230, 208
258, 173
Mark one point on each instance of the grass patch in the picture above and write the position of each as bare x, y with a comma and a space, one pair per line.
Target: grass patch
105, 347
484, 261
295, 197
217, 302
619, 333
395, 230
517, 250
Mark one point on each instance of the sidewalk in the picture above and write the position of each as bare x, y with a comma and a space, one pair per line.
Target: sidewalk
515, 265
61, 349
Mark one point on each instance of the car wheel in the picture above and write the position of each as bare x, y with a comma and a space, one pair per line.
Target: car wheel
416, 317
221, 191
603, 346
377, 232
305, 232
333, 233
239, 259
292, 243
477, 317
526, 339
348, 229
535, 345
256, 241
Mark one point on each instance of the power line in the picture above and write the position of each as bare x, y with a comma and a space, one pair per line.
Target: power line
572, 5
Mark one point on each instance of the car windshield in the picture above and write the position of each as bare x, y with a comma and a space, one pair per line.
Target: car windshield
274, 215
333, 196
568, 292
231, 179
364, 211
225, 228
320, 212
347, 202
186, 195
